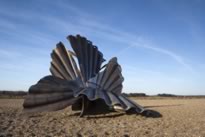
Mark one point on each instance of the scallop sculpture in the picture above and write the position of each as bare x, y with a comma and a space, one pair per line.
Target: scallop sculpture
79, 80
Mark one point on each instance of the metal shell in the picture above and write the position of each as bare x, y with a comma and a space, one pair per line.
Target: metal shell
71, 81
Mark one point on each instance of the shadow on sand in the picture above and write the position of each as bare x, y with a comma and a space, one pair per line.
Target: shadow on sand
99, 109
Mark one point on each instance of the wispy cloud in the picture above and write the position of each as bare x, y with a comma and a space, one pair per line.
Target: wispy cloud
88, 24
131, 41
169, 53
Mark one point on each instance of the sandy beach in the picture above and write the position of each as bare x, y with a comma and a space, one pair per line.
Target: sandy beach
181, 117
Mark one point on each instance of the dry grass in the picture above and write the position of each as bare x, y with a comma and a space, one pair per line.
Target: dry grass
181, 117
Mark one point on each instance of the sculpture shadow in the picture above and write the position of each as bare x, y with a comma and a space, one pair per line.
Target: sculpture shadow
149, 113
98, 109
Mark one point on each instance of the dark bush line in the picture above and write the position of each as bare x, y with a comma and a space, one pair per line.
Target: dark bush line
134, 94
180, 96
5, 93
166, 95
162, 95
12, 93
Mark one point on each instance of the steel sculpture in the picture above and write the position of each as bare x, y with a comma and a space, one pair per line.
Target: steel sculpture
79, 79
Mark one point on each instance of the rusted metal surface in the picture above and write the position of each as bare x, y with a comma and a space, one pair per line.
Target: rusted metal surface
79, 83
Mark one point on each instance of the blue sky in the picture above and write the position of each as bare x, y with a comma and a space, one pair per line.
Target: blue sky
159, 43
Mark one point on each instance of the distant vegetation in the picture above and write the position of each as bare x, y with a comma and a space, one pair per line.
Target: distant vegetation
166, 95
162, 95
12, 94
135, 94
22, 94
